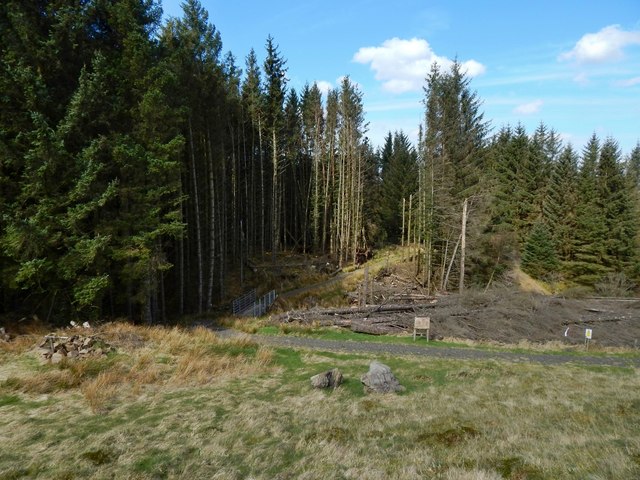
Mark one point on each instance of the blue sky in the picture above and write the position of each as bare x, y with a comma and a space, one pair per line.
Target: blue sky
573, 64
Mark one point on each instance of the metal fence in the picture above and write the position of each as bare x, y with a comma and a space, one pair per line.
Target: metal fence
243, 302
248, 306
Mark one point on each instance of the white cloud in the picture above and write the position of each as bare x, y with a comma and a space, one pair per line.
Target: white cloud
324, 86
528, 108
402, 65
631, 82
339, 80
603, 46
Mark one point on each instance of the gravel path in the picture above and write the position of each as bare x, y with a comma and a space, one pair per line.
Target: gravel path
348, 346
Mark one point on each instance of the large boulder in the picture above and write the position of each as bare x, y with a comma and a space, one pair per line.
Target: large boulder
380, 379
328, 379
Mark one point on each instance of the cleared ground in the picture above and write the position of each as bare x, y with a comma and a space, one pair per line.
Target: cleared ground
510, 312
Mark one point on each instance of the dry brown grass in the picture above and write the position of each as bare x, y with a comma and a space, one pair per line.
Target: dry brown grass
20, 344
148, 357
457, 420
102, 390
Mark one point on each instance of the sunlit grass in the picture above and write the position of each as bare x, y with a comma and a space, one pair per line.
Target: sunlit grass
181, 404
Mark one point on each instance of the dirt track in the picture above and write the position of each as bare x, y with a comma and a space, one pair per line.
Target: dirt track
421, 349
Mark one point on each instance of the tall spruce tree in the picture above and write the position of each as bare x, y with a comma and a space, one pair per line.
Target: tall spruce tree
313, 132
561, 203
589, 250
539, 255
454, 155
399, 182
94, 187
275, 91
616, 204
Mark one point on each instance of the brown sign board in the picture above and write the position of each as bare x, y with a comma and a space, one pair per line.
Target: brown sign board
422, 323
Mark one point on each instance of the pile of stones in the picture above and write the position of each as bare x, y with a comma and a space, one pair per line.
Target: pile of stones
55, 348
379, 379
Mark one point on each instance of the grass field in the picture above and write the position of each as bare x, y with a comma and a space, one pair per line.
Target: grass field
177, 404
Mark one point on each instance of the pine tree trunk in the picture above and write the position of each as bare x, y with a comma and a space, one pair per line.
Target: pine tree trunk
262, 193
181, 258
275, 224
463, 243
212, 225
197, 215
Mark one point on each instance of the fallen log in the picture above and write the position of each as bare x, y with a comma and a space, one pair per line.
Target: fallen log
370, 309
359, 327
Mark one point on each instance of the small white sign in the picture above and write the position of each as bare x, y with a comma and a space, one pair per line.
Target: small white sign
422, 323
587, 333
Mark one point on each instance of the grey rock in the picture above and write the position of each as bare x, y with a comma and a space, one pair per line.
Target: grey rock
56, 357
380, 379
329, 379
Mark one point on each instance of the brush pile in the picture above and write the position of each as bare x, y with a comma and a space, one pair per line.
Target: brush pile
372, 319
76, 347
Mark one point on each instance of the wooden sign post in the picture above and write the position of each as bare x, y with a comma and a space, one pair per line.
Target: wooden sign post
587, 337
421, 323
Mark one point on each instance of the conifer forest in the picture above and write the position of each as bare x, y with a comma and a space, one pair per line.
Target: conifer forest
141, 164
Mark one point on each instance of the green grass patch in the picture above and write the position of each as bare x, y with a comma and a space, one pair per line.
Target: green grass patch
156, 463
326, 333
9, 400
457, 419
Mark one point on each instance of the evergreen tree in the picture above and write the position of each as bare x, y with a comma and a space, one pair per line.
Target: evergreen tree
616, 204
313, 132
253, 153
399, 182
93, 188
454, 155
587, 266
539, 256
275, 90
561, 203
632, 169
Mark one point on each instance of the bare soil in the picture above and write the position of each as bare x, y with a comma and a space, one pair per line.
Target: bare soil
503, 314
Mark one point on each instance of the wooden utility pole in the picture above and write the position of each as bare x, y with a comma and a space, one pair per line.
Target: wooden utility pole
463, 242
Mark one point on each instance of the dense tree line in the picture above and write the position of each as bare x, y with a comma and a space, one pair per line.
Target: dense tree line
140, 164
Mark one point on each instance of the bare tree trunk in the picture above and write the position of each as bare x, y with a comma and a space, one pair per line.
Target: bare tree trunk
262, 200
409, 221
316, 196
275, 220
453, 257
222, 222
463, 243
181, 258
402, 231
234, 194
443, 263
197, 215
212, 225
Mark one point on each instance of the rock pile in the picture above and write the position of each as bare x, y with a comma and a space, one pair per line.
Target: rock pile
54, 348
